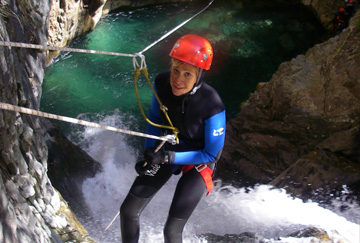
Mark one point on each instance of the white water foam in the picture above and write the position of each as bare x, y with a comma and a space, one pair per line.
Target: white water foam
270, 213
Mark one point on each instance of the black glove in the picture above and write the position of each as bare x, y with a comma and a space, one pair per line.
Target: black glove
160, 157
141, 167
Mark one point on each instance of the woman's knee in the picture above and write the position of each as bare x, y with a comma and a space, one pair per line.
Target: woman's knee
132, 206
173, 230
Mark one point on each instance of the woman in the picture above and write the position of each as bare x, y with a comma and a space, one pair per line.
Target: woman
197, 111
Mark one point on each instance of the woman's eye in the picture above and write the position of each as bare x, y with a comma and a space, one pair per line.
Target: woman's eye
175, 70
188, 75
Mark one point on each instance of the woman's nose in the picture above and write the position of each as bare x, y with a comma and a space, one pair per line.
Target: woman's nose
178, 79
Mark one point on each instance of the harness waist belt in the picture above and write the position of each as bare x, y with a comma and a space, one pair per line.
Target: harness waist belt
205, 172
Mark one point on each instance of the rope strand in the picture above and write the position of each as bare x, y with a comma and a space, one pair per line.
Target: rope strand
56, 48
174, 29
28, 111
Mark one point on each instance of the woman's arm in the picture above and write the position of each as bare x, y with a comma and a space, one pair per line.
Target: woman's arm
215, 128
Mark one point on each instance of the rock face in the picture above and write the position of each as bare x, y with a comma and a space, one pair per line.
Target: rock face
325, 9
28, 201
69, 19
300, 131
31, 209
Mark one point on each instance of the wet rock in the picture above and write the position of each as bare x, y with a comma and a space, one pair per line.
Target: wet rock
318, 171
68, 164
318, 235
244, 237
311, 232
303, 124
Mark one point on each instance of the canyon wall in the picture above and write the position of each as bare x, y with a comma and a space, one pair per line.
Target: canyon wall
31, 209
301, 130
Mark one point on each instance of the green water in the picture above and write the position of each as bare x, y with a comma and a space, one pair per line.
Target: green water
250, 40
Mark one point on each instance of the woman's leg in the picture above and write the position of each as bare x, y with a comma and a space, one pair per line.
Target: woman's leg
143, 189
130, 211
189, 191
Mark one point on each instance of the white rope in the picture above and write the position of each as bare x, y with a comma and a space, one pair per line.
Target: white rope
9, 107
142, 61
176, 28
112, 221
55, 48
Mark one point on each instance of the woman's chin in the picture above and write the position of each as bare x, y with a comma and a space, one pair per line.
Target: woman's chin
178, 92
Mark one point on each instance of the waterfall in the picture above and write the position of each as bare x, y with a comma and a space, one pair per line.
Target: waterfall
270, 213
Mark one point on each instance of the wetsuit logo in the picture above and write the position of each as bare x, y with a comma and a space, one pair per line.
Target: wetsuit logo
152, 172
218, 132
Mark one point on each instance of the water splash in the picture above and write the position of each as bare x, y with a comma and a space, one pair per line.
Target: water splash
270, 213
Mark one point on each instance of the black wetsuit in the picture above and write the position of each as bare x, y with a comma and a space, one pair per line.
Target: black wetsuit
200, 118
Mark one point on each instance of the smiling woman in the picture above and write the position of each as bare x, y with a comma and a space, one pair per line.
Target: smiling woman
183, 77
196, 109
191, 55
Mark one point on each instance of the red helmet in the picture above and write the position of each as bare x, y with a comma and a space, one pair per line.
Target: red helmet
342, 10
194, 50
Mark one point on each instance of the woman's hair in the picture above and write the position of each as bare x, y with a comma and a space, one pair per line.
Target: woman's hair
176, 63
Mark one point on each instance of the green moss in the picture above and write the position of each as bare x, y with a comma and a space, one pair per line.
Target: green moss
339, 49
74, 231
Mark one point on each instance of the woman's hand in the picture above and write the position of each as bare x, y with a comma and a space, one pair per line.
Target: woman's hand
160, 157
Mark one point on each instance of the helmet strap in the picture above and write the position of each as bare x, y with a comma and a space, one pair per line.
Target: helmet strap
197, 84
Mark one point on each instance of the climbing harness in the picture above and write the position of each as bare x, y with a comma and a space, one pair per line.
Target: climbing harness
205, 172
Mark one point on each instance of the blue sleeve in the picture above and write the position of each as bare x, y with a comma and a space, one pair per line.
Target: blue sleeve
154, 116
214, 142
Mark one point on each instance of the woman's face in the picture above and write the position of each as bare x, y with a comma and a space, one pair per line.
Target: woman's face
183, 76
